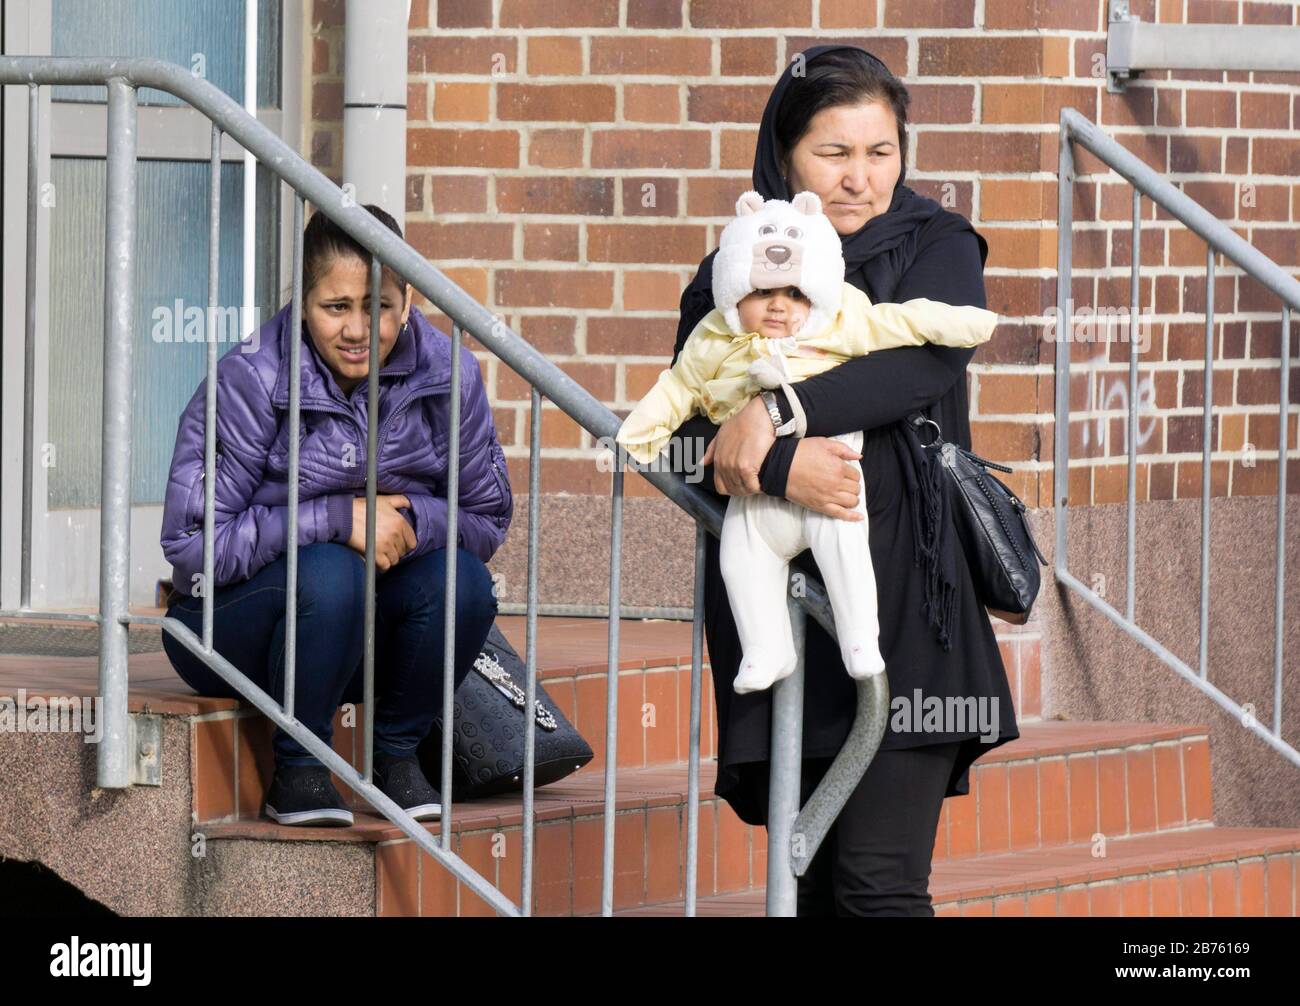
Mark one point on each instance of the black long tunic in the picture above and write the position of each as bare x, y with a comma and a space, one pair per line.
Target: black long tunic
869, 393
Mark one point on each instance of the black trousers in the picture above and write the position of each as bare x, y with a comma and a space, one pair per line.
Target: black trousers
875, 860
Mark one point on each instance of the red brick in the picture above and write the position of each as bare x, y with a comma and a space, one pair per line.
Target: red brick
654, 14
461, 102
652, 103
1042, 14
748, 56
458, 193
972, 56
1199, 154
555, 148
558, 14
1275, 156
441, 54
758, 14
473, 240
555, 102
637, 243
478, 148
650, 290
591, 196
977, 151
554, 56
647, 148
1034, 102
947, 103
556, 242
649, 197
672, 56
847, 14
586, 288
631, 336
1217, 109
1263, 110
464, 13
929, 14
726, 102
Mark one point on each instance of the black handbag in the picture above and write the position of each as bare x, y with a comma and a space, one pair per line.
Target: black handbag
992, 527
488, 724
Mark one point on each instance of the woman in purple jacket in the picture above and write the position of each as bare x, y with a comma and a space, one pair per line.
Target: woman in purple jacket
251, 522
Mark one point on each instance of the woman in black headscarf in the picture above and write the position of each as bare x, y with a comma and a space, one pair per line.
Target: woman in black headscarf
836, 124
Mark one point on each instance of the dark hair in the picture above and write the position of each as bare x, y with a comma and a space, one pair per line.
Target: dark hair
847, 76
323, 241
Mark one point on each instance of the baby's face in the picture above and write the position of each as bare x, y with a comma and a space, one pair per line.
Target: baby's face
774, 313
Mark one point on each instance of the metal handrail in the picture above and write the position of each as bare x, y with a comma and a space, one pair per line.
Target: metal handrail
122, 78
1219, 237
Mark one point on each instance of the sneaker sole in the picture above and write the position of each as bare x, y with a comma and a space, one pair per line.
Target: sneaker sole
301, 817
426, 811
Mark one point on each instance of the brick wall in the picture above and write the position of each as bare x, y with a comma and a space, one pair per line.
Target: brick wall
570, 163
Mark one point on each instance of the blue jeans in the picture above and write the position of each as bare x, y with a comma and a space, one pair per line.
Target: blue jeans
248, 630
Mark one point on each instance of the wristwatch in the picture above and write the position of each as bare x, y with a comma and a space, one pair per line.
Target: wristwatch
773, 410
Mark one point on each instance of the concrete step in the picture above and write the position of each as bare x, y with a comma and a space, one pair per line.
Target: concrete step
649, 857
1065, 781
1202, 872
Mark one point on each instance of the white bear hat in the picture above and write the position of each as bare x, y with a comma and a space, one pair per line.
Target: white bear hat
778, 243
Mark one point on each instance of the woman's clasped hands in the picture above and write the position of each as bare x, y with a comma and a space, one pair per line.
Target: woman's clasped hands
394, 536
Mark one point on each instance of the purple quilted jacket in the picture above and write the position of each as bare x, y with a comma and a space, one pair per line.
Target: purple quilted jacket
253, 454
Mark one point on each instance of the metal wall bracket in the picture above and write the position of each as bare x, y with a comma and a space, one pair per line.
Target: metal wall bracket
146, 749
1133, 46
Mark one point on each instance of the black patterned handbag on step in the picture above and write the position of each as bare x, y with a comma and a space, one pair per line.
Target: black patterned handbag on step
488, 720
992, 527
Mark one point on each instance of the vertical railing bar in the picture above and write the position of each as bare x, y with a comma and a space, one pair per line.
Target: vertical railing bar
115, 479
1206, 448
693, 762
611, 687
1282, 449
210, 391
449, 604
295, 419
1135, 285
372, 478
29, 345
1064, 254
530, 651
784, 773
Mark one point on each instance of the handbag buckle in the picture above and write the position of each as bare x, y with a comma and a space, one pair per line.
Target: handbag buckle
921, 421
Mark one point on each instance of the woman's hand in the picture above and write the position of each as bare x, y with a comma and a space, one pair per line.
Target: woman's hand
394, 536
820, 479
738, 450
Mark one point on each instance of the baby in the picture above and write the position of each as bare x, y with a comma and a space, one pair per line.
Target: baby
784, 312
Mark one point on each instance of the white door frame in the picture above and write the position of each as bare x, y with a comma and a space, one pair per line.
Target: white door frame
65, 542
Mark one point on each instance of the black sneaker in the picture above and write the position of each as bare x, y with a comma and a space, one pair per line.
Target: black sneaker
400, 779
304, 794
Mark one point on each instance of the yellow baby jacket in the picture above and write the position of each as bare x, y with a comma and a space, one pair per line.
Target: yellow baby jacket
711, 374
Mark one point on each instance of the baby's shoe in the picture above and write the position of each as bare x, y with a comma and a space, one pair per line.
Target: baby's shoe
757, 673
863, 660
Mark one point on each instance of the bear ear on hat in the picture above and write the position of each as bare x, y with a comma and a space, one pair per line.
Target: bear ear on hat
807, 202
749, 202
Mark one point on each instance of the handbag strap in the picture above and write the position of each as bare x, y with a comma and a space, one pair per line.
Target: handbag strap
918, 419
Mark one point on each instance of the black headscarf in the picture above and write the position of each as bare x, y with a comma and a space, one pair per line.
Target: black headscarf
876, 256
